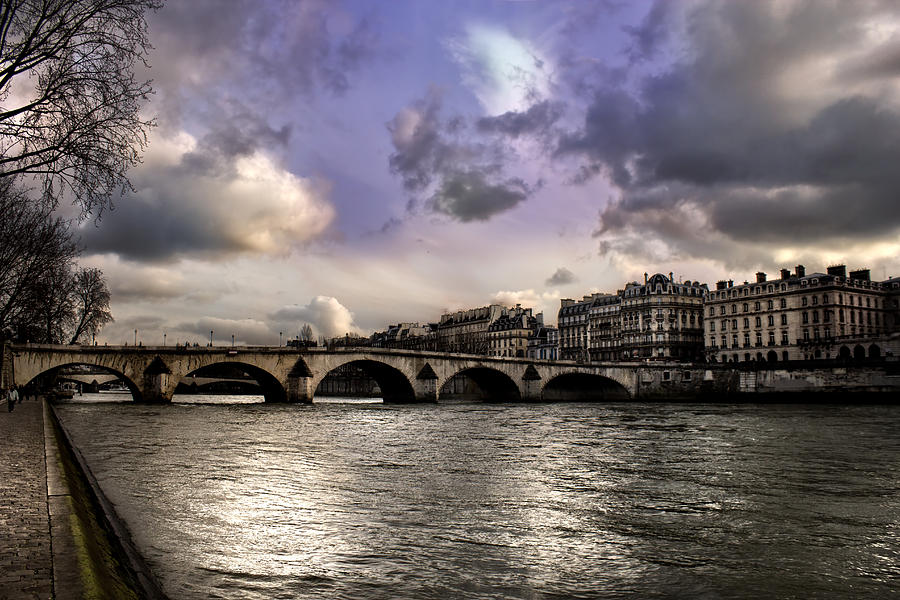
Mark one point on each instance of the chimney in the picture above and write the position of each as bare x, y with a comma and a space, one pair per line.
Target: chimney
730, 283
645, 278
800, 271
671, 278
721, 285
861, 274
566, 302
760, 277
838, 271
785, 274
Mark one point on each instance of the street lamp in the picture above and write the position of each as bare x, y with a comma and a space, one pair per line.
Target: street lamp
164, 338
210, 338
135, 337
232, 340
279, 339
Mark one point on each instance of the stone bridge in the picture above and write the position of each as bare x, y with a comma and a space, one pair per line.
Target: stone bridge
292, 375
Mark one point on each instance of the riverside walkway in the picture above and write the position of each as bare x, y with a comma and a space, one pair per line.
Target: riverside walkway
26, 568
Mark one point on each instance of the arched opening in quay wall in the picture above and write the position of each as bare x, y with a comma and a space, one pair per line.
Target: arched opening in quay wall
480, 384
235, 380
366, 379
583, 387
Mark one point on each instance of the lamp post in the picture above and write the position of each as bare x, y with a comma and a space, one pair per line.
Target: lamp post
210, 338
232, 340
164, 338
135, 337
279, 339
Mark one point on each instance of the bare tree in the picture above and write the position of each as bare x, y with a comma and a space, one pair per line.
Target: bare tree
33, 244
90, 300
50, 312
306, 333
69, 100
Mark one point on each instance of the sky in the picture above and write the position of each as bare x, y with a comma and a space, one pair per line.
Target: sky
357, 164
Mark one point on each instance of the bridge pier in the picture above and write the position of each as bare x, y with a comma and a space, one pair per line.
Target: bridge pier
531, 390
299, 390
426, 390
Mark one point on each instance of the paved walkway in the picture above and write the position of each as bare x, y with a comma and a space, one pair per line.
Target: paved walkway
26, 570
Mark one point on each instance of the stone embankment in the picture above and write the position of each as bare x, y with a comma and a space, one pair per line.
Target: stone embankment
59, 537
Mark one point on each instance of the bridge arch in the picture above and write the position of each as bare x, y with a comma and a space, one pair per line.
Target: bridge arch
583, 387
394, 384
492, 385
269, 385
35, 378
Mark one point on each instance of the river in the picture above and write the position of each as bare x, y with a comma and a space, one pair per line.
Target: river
578, 500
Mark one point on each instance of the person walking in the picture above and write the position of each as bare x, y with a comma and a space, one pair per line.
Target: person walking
10, 400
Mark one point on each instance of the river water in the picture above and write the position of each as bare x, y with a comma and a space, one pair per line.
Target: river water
631, 500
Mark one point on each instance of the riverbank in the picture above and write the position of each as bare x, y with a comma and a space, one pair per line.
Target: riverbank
59, 537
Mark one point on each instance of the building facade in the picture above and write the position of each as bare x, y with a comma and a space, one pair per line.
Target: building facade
798, 317
508, 336
663, 319
573, 321
605, 333
544, 344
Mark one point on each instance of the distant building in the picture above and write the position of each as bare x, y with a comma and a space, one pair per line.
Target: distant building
800, 317
407, 336
663, 319
467, 331
605, 320
544, 344
574, 325
509, 334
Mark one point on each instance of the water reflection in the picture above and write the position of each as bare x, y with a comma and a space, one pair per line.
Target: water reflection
515, 501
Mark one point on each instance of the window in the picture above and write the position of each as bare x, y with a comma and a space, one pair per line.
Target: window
758, 339
734, 323
733, 308
815, 316
784, 319
722, 310
805, 318
756, 306
771, 320
824, 298
815, 299
784, 303
746, 307
784, 337
771, 338
746, 323
803, 301
758, 322
746, 339
724, 341
712, 311
868, 303
712, 326
806, 334
770, 305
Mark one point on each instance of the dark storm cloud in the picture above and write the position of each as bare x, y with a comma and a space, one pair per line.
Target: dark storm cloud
537, 119
459, 173
470, 196
562, 276
751, 132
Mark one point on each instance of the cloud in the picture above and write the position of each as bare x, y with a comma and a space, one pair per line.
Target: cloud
776, 124
537, 119
546, 302
562, 276
468, 196
202, 200
504, 72
459, 175
325, 314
